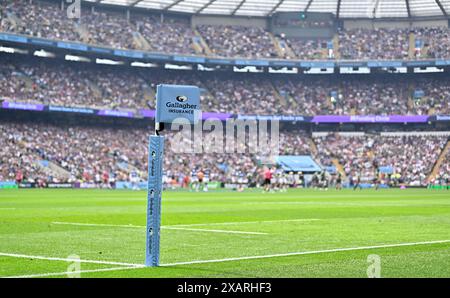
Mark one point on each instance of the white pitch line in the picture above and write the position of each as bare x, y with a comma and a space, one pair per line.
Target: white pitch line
162, 227
306, 253
137, 266
212, 231
70, 273
69, 260
245, 222
95, 225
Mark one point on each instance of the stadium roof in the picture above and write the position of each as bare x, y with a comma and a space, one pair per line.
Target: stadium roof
341, 8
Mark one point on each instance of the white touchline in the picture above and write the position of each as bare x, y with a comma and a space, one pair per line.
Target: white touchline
193, 225
95, 225
162, 227
306, 253
212, 231
71, 272
69, 260
245, 222
129, 266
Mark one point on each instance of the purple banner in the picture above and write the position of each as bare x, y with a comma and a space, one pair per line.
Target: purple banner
148, 113
22, 106
220, 116
370, 119
116, 113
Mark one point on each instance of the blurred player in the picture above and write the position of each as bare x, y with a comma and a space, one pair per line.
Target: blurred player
19, 177
276, 180
357, 182
315, 181
200, 182
206, 180
134, 179
98, 179
284, 181
324, 180
194, 179
105, 179
339, 182
186, 181
240, 181
447, 179
300, 179
112, 180
291, 179
267, 179
376, 182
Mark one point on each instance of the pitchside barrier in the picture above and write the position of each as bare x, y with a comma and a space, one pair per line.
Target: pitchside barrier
173, 103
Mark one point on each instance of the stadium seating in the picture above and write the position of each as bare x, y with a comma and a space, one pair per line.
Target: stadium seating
111, 87
238, 41
411, 156
444, 170
367, 44
434, 41
86, 152
310, 49
175, 35
47, 20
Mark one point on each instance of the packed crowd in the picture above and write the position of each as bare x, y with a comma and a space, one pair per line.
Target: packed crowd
443, 175
311, 49
301, 97
175, 35
382, 97
125, 88
87, 153
47, 20
16, 158
412, 157
39, 19
374, 44
436, 98
82, 152
434, 41
356, 96
243, 96
238, 41
72, 85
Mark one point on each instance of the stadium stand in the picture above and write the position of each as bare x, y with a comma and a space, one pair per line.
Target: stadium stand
45, 19
435, 42
238, 41
84, 153
87, 152
411, 156
311, 49
86, 85
175, 35
443, 175
367, 44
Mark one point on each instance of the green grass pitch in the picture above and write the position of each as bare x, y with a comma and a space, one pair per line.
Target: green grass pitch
301, 233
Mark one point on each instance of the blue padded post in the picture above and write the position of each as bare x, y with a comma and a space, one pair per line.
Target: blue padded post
155, 160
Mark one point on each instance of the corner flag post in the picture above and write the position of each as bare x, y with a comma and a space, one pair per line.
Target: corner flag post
155, 159
172, 102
